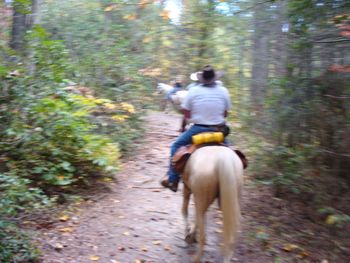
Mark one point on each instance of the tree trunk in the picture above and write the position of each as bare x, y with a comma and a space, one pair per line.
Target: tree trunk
22, 22
18, 29
260, 59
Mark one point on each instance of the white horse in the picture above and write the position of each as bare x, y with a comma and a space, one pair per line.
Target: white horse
176, 99
213, 172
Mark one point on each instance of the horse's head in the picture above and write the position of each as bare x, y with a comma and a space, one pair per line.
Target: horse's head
163, 88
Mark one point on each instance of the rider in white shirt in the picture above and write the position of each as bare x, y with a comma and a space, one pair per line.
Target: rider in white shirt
207, 105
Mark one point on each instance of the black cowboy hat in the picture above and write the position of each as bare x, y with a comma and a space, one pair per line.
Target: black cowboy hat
208, 75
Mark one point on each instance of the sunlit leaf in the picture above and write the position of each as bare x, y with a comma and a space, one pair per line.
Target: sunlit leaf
64, 218
165, 14
290, 247
94, 258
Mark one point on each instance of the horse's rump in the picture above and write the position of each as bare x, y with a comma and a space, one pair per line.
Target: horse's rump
211, 172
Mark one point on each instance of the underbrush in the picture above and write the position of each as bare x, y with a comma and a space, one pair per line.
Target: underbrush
56, 138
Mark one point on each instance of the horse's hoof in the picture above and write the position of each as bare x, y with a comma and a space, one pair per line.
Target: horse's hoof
196, 259
190, 238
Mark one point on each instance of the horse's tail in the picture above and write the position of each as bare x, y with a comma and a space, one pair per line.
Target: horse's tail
230, 180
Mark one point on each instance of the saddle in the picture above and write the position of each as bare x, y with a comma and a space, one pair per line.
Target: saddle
182, 155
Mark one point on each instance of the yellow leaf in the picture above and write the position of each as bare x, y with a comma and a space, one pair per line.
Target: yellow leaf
107, 179
167, 248
94, 258
64, 218
304, 254
146, 40
109, 8
144, 249
331, 219
126, 233
165, 14
143, 3
157, 242
66, 230
130, 17
110, 106
290, 247
167, 43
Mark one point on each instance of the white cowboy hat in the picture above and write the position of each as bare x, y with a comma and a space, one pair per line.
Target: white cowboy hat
194, 77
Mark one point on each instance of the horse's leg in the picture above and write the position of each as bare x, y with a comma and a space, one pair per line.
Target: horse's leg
186, 200
202, 205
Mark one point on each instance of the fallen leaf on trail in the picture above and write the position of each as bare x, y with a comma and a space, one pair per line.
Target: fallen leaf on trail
94, 258
107, 180
290, 247
126, 233
66, 230
218, 231
144, 249
58, 246
121, 248
157, 242
218, 222
64, 218
304, 254
331, 219
139, 261
167, 248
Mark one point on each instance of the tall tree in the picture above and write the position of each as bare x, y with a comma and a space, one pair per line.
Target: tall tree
24, 16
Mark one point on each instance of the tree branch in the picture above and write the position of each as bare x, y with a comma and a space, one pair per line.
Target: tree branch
337, 97
332, 41
334, 153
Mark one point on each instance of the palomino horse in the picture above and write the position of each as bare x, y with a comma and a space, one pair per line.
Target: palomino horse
213, 172
176, 99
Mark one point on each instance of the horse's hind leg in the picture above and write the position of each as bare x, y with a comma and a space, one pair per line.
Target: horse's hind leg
201, 208
189, 237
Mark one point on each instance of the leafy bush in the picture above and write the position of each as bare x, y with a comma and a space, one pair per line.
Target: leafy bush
16, 195
14, 246
56, 140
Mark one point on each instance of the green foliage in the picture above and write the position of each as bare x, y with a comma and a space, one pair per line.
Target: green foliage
15, 246
22, 6
49, 56
16, 195
56, 138
334, 217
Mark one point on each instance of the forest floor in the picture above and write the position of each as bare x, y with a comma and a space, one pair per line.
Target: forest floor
133, 219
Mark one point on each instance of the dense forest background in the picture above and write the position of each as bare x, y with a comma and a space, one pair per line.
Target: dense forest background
77, 76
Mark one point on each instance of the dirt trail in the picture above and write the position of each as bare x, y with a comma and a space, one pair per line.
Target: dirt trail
138, 219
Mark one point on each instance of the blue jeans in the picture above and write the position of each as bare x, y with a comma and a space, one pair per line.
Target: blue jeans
184, 139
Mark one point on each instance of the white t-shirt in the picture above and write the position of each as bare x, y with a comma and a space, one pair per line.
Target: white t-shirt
207, 104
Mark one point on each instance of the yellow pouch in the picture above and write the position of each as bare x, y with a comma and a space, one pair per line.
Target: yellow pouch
207, 137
